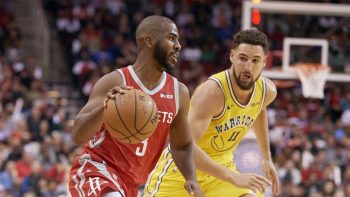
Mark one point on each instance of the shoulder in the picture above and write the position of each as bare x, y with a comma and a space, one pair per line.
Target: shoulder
183, 91
108, 81
271, 91
210, 95
209, 88
113, 78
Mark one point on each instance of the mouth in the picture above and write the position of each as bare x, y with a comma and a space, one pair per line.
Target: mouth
246, 76
173, 57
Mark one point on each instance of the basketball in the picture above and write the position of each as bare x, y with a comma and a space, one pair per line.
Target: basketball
131, 117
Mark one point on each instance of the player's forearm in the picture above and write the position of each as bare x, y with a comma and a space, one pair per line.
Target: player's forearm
262, 135
206, 164
183, 158
86, 125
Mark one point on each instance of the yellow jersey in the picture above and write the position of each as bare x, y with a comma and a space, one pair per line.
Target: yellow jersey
226, 130
221, 138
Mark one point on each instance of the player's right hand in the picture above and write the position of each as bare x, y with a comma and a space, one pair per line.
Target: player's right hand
251, 181
193, 188
114, 91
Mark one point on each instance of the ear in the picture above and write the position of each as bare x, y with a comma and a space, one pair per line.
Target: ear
264, 61
231, 55
148, 41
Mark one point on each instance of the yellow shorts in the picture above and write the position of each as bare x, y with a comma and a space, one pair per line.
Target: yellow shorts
167, 181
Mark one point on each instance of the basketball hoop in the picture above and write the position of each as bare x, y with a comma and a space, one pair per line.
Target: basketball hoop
313, 78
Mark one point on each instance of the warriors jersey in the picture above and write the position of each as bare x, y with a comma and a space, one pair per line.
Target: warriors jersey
133, 162
224, 133
226, 130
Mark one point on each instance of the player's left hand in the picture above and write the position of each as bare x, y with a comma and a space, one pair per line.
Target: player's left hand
271, 173
193, 188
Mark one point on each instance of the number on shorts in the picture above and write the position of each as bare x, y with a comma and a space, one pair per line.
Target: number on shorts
140, 151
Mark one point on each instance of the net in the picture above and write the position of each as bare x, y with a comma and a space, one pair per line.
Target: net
313, 78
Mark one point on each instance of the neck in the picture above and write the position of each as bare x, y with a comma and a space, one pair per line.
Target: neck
148, 70
243, 96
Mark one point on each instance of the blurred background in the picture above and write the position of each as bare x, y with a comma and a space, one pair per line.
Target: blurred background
53, 51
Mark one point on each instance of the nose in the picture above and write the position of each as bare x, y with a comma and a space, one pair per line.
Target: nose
177, 46
248, 66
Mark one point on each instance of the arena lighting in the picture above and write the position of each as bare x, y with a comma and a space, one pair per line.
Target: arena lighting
256, 18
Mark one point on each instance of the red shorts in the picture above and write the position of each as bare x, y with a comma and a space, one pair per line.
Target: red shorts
91, 178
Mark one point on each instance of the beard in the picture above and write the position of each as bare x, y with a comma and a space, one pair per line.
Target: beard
244, 85
161, 56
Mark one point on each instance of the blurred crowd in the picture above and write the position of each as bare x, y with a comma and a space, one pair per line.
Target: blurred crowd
35, 140
310, 142
98, 35
310, 139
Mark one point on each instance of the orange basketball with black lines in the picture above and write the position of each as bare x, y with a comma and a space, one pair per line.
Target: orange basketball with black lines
131, 117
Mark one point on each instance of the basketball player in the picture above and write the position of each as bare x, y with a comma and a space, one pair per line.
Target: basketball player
223, 109
109, 168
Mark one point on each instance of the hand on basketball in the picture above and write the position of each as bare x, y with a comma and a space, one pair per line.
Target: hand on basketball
193, 188
114, 91
271, 174
251, 181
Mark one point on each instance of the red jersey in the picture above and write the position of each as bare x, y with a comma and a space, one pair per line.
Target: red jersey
134, 162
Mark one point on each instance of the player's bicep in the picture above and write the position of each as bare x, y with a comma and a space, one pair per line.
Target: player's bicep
179, 130
200, 120
271, 92
207, 102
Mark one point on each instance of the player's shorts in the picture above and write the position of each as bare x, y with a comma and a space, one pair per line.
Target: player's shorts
91, 178
166, 180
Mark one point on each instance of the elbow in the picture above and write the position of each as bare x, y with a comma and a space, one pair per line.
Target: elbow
77, 138
76, 135
187, 146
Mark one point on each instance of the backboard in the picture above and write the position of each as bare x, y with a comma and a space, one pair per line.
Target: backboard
300, 8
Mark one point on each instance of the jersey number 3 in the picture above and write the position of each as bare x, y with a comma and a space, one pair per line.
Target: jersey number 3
140, 151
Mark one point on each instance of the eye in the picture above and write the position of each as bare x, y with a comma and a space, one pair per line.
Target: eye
243, 59
255, 61
171, 38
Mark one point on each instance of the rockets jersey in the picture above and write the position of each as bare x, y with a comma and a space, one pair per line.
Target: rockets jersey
134, 162
226, 130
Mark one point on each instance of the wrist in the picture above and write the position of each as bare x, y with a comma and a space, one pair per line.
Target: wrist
267, 158
267, 162
232, 177
191, 179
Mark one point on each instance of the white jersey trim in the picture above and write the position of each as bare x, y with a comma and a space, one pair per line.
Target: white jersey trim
176, 92
216, 117
143, 88
83, 160
82, 178
103, 170
263, 94
160, 177
153, 171
112, 194
123, 76
79, 184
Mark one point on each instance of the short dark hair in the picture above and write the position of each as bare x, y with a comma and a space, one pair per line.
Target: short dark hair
251, 36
